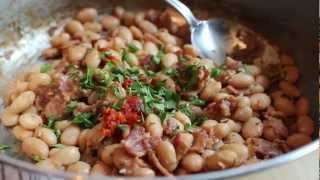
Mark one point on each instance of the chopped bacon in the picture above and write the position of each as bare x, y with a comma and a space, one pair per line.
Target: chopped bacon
201, 140
264, 149
44, 94
68, 88
55, 107
279, 129
139, 142
233, 90
222, 108
131, 109
156, 163
272, 112
170, 126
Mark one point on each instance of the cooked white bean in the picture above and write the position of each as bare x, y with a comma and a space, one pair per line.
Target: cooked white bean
22, 102
76, 53
70, 136
184, 119
150, 48
243, 113
234, 137
87, 15
46, 164
31, 109
254, 70
50, 53
59, 40
30, 121
142, 171
260, 101
35, 147
119, 11
8, 118
263, 81
118, 43
183, 142
168, 82
136, 32
302, 106
192, 162
189, 50
169, 60
109, 22
46, 135
38, 79
167, 38
93, 26
153, 125
21, 133
297, 140
305, 125
74, 26
128, 18
79, 167
241, 150
211, 89
289, 89
209, 124
100, 168
167, 155
221, 160
61, 125
284, 105
121, 158
147, 26
241, 80
92, 58
66, 155
252, 128
133, 60
222, 130
106, 153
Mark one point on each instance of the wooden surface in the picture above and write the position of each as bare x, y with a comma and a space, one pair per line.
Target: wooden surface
306, 168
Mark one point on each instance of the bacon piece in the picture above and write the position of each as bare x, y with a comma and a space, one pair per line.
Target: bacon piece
55, 107
201, 140
276, 125
272, 112
264, 149
156, 163
222, 108
68, 88
139, 142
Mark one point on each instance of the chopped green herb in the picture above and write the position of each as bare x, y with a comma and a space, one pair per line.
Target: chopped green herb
133, 48
84, 120
104, 77
158, 57
185, 108
45, 68
125, 55
188, 127
37, 158
100, 91
4, 147
246, 69
87, 81
171, 72
183, 59
104, 54
216, 72
52, 125
116, 91
191, 72
198, 120
123, 127
118, 105
196, 101
59, 146
71, 106
118, 74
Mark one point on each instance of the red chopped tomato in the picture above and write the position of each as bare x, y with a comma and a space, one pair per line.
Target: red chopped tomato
111, 119
127, 83
131, 109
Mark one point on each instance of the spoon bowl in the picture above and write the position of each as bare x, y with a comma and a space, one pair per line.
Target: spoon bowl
208, 37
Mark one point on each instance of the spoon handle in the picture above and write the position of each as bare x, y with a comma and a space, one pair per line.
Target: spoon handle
184, 11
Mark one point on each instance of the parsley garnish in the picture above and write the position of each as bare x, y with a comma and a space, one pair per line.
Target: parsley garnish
4, 147
104, 77
171, 72
196, 101
52, 125
84, 120
45, 68
86, 81
189, 128
123, 127
59, 146
118, 105
192, 71
132, 48
104, 54
125, 55
183, 59
116, 91
158, 57
216, 72
73, 71
71, 106
246, 69
37, 158
185, 108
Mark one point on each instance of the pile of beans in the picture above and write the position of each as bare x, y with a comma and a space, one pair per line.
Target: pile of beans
260, 115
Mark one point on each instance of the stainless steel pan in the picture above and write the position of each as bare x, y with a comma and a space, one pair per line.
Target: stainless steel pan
25, 24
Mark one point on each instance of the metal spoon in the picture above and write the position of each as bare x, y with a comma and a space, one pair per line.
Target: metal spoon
208, 37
